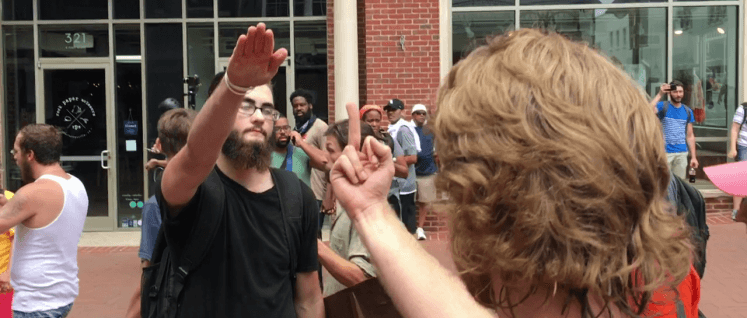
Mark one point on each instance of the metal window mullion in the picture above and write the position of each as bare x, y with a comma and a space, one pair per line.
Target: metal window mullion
143, 86
517, 14
670, 41
37, 65
185, 64
216, 34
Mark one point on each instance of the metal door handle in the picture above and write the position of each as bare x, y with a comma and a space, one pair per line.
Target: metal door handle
105, 154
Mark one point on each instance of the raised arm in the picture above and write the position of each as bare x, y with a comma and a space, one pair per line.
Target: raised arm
361, 182
662, 90
252, 63
317, 158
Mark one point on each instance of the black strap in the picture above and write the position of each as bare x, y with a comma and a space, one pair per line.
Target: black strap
744, 118
199, 242
291, 206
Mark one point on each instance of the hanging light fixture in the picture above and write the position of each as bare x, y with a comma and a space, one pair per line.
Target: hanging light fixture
720, 30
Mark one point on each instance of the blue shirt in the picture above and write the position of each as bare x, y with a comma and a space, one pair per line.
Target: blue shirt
151, 225
426, 165
674, 124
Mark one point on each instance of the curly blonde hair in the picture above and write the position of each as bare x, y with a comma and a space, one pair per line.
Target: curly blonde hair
555, 167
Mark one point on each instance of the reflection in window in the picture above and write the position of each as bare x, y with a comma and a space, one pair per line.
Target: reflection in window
199, 8
481, 3
126, 9
73, 10
472, 28
310, 61
230, 32
704, 59
20, 100
306, 8
17, 10
642, 54
253, 8
551, 2
162, 9
201, 58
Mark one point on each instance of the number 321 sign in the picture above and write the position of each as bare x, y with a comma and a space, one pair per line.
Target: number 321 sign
78, 40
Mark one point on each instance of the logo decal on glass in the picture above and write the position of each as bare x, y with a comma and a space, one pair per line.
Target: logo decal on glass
76, 117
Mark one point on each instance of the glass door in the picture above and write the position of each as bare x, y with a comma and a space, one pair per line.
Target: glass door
76, 98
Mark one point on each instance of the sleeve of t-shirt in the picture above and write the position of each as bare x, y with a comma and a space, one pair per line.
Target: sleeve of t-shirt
149, 233
317, 139
659, 106
397, 151
738, 115
358, 254
307, 252
407, 141
179, 229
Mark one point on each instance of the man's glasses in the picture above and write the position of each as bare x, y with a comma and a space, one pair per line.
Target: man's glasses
267, 111
419, 113
285, 128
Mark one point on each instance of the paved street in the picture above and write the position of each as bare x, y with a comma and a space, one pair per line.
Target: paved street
108, 275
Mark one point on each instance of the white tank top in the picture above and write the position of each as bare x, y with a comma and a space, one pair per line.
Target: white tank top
44, 272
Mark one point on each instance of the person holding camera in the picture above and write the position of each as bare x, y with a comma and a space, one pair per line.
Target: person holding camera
677, 120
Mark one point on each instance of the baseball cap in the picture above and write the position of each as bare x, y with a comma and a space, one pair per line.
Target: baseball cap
730, 178
395, 104
419, 107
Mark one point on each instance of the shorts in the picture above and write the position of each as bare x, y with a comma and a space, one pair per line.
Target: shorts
426, 189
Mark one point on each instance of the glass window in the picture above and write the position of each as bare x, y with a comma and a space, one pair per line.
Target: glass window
305, 8
163, 74
311, 62
704, 60
551, 2
199, 8
472, 28
642, 54
253, 8
126, 9
163, 9
20, 98
74, 40
17, 10
73, 10
230, 32
127, 38
481, 3
129, 118
201, 58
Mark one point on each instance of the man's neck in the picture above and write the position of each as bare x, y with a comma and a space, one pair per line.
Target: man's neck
251, 179
282, 150
300, 121
677, 104
54, 169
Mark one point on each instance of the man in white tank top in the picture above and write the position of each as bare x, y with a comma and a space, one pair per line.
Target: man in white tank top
48, 213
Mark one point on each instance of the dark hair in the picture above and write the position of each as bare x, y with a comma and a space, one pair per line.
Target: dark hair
44, 140
173, 129
678, 83
169, 104
340, 131
306, 94
216, 80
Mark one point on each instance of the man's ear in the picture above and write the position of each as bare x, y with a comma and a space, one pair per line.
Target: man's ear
157, 145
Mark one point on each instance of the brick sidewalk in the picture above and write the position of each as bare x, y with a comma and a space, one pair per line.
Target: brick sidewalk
108, 275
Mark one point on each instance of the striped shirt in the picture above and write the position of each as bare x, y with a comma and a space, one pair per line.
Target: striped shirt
674, 124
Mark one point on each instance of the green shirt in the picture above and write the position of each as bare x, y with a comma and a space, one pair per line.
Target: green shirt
301, 165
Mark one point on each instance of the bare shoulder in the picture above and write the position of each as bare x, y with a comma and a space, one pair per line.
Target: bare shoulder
42, 193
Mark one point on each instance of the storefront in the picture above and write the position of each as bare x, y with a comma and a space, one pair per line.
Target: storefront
99, 69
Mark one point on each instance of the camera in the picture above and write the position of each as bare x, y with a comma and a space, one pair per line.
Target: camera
193, 84
192, 80
672, 87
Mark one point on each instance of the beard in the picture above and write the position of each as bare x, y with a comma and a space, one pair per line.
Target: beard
300, 120
248, 154
676, 100
280, 143
26, 173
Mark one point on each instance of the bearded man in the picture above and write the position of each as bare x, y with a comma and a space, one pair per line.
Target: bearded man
678, 128
225, 169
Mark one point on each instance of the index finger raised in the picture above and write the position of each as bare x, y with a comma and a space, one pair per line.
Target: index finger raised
354, 126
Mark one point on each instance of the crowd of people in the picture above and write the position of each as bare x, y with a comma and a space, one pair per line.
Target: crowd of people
550, 166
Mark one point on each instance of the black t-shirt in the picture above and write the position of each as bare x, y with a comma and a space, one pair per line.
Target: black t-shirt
246, 272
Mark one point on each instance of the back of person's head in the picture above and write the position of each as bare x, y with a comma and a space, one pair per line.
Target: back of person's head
44, 140
173, 129
214, 83
340, 131
556, 174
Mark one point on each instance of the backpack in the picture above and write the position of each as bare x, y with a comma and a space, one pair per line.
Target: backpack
690, 201
164, 280
665, 108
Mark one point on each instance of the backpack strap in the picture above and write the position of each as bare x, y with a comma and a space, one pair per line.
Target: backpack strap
689, 116
291, 206
663, 112
203, 233
744, 117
